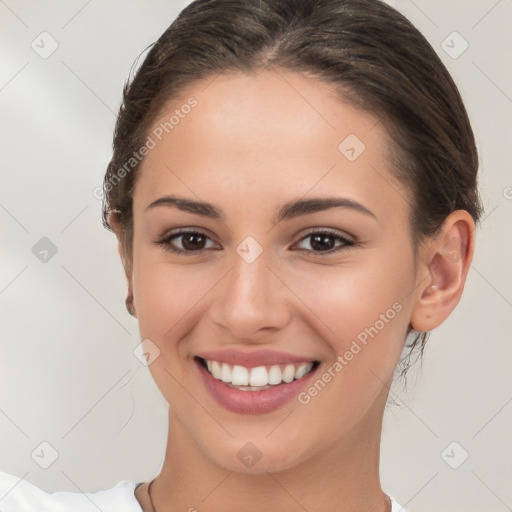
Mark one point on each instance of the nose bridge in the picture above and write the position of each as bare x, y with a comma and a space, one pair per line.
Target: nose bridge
249, 280
252, 298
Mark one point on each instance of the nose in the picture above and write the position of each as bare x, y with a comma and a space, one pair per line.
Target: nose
251, 302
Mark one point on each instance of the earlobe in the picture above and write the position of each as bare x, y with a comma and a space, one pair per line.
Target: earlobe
129, 303
444, 263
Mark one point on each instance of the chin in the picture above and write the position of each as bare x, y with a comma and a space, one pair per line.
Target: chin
257, 458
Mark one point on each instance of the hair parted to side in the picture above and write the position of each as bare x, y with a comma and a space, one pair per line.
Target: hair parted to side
370, 53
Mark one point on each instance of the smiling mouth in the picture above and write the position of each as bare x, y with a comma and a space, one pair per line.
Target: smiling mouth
257, 378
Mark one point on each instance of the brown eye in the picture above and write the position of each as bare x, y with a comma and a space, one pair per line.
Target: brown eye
324, 242
192, 242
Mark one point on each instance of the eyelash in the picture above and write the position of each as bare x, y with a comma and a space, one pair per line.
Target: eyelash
165, 242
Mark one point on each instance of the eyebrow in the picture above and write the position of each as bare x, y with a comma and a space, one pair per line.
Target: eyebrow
288, 211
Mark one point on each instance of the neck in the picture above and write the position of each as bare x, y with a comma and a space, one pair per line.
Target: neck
343, 478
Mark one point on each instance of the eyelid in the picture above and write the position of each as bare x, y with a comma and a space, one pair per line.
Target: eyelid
189, 229
330, 231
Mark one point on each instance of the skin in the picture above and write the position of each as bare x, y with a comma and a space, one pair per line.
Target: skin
253, 143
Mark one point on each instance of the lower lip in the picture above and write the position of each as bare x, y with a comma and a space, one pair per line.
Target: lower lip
252, 402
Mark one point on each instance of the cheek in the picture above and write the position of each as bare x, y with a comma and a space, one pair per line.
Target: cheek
363, 316
168, 297
363, 311
358, 299
169, 304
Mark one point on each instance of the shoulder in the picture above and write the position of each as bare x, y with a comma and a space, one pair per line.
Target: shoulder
19, 495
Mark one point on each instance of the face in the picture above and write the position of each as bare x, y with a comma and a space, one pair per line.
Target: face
240, 258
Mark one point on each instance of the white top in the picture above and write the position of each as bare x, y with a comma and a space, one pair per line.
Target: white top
17, 495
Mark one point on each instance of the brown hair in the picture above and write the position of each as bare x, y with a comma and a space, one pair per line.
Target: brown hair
374, 57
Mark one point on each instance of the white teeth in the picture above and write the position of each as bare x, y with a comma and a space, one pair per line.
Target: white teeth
302, 369
289, 373
215, 370
274, 375
225, 373
239, 376
259, 377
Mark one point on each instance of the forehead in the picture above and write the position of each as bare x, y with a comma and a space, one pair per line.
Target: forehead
268, 133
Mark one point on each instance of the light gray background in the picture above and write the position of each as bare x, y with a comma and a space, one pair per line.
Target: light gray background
68, 375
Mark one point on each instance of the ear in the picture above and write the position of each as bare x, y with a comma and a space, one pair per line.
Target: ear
114, 220
443, 265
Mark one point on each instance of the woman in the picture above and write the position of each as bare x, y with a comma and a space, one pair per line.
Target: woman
293, 190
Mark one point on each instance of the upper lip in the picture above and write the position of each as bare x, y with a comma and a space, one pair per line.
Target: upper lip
253, 358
